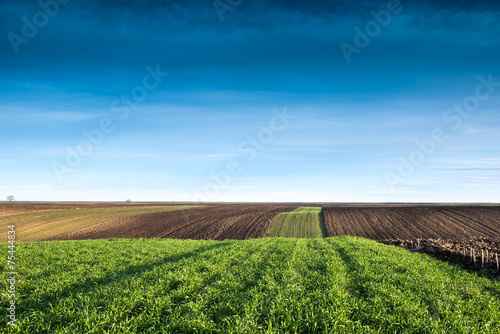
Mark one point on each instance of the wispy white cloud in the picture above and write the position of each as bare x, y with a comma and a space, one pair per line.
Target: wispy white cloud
396, 192
477, 162
485, 130
479, 178
46, 116
217, 156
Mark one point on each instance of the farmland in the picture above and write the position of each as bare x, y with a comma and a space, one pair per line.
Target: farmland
407, 222
271, 285
245, 221
216, 222
393, 224
141, 276
40, 225
476, 253
304, 222
13, 208
241, 275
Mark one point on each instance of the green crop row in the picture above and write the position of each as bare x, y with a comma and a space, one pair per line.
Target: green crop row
303, 222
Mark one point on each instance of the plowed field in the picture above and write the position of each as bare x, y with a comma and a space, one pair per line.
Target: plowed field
403, 222
218, 222
7, 209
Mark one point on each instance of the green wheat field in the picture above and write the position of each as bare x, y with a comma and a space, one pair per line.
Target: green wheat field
269, 285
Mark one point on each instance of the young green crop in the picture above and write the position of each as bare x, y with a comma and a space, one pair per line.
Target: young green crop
303, 222
269, 285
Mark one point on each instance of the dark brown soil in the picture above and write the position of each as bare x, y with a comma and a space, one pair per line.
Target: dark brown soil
216, 222
404, 222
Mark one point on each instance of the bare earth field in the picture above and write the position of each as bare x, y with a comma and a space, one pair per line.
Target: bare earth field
216, 222
7, 209
404, 222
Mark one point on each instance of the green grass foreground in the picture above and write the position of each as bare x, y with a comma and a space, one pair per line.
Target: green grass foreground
269, 285
303, 222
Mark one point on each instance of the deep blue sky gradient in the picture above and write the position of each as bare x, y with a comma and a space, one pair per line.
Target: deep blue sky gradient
352, 121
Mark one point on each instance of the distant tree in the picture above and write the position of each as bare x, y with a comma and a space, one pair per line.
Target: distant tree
10, 198
128, 201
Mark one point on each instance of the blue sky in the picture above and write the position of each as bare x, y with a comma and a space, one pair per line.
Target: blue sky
263, 87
